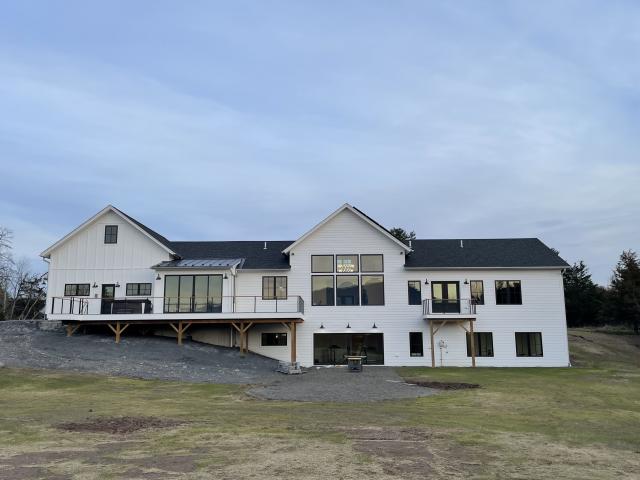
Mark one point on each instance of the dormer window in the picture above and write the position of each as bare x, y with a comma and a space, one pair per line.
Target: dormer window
111, 234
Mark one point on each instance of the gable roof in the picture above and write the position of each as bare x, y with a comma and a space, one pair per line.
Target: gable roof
253, 253
155, 237
358, 214
483, 253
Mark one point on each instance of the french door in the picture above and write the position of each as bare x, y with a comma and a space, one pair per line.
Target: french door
108, 294
445, 297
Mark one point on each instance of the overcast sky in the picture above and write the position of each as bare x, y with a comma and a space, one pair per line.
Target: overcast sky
211, 121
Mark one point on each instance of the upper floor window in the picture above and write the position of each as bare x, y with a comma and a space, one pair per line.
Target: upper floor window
346, 263
372, 290
321, 263
372, 263
138, 289
508, 292
347, 290
274, 288
322, 290
415, 295
76, 289
111, 234
477, 291
528, 344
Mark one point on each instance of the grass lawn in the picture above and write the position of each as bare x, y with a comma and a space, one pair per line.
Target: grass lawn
581, 422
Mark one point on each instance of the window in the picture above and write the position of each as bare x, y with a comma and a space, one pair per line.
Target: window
274, 288
529, 344
274, 339
415, 344
193, 293
137, 289
111, 234
322, 290
415, 297
477, 292
347, 291
346, 263
371, 263
372, 290
483, 344
508, 292
76, 289
321, 263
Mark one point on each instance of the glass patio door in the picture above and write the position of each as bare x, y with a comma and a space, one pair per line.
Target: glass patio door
445, 298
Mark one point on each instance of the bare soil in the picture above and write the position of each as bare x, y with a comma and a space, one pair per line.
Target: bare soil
118, 425
443, 385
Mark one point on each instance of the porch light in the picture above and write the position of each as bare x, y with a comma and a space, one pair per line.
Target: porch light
375, 327
348, 326
426, 281
158, 277
322, 326
95, 285
466, 281
117, 284
225, 276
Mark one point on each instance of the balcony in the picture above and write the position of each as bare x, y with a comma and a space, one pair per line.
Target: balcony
449, 308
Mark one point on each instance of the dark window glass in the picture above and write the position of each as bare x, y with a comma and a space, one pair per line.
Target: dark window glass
274, 288
138, 289
171, 290
347, 291
322, 290
415, 295
111, 234
415, 344
483, 344
321, 263
346, 263
77, 289
371, 263
193, 293
508, 292
274, 339
477, 291
528, 344
372, 289
200, 293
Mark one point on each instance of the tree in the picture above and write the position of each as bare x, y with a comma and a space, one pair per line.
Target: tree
402, 235
583, 298
6, 264
625, 290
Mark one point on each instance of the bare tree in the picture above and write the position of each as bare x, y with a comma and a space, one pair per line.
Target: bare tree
6, 264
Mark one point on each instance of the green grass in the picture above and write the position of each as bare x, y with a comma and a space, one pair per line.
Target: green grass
542, 423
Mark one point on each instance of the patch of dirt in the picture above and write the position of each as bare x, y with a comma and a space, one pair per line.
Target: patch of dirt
443, 385
118, 425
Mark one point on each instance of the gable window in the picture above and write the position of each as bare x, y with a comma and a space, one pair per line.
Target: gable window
322, 290
371, 263
321, 263
111, 234
508, 292
274, 288
483, 344
346, 263
528, 344
347, 290
274, 339
415, 344
137, 289
415, 295
372, 290
76, 290
477, 291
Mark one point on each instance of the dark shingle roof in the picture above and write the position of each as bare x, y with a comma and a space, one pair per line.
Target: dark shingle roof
482, 253
153, 233
253, 252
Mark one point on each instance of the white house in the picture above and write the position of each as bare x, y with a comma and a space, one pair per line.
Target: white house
346, 287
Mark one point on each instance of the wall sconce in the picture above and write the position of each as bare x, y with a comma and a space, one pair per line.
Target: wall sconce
348, 326
225, 276
322, 326
158, 277
117, 284
466, 281
426, 281
375, 327
95, 285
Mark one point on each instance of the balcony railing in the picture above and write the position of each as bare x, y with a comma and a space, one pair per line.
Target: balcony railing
174, 305
461, 306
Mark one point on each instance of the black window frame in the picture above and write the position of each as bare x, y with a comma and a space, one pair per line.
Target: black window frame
471, 282
214, 307
110, 234
529, 344
276, 339
362, 270
507, 298
357, 257
362, 287
414, 343
137, 290
357, 287
76, 287
419, 292
482, 339
274, 295
333, 264
333, 289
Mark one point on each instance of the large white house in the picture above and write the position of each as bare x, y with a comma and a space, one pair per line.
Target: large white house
346, 287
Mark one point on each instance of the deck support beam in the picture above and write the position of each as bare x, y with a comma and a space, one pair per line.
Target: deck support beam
180, 329
433, 348
460, 323
71, 329
293, 327
472, 341
244, 340
118, 330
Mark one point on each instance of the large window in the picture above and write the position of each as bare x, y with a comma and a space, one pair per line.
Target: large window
321, 263
372, 263
192, 293
322, 290
138, 289
483, 344
508, 292
415, 344
528, 344
333, 348
274, 288
415, 295
347, 290
111, 234
76, 289
347, 263
372, 290
274, 339
477, 291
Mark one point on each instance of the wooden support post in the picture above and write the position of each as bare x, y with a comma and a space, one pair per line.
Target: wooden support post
118, 330
472, 340
293, 342
180, 329
71, 329
242, 338
433, 351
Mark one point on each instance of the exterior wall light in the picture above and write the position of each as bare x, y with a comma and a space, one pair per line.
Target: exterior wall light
225, 276
426, 281
322, 326
158, 277
117, 284
375, 327
95, 285
466, 281
348, 326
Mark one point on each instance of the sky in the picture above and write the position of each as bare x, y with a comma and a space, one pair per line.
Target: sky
255, 120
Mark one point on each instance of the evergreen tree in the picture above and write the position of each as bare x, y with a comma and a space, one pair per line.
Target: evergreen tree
625, 290
402, 235
582, 297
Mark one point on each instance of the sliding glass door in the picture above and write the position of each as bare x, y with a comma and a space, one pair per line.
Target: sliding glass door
192, 293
